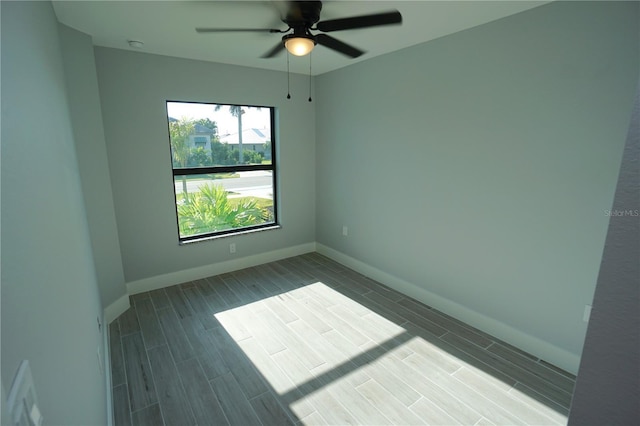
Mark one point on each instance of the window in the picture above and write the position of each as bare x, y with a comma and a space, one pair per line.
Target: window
227, 186
200, 141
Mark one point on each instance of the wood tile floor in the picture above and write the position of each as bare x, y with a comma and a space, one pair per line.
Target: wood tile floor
306, 340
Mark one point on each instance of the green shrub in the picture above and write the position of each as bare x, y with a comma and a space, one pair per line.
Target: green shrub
209, 210
199, 157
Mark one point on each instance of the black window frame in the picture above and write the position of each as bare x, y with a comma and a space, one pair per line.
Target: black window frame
227, 169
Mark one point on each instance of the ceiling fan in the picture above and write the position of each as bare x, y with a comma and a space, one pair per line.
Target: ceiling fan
302, 17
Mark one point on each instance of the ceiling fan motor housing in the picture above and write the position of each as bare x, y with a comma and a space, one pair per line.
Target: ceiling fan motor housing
303, 13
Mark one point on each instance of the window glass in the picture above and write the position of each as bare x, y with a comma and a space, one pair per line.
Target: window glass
223, 166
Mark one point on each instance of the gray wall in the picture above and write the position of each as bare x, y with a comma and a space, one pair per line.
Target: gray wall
86, 116
133, 90
473, 171
50, 298
608, 385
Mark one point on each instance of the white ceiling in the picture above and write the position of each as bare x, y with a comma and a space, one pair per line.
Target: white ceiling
167, 27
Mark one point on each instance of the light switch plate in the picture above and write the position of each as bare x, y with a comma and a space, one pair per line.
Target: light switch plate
22, 401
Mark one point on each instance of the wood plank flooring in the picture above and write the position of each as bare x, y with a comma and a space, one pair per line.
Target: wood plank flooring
306, 341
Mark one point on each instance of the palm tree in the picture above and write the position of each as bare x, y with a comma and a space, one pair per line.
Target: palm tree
179, 132
237, 111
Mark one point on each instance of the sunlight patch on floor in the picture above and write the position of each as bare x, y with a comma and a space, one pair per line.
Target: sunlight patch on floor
315, 346
268, 330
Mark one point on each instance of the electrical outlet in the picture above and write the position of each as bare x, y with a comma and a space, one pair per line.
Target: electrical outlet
232, 248
345, 230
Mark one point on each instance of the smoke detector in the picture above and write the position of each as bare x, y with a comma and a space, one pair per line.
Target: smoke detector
136, 44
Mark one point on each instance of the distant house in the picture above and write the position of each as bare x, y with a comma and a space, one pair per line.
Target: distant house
252, 139
201, 137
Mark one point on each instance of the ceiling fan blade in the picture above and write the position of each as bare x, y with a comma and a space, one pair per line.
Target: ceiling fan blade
238, 30
338, 46
281, 7
364, 21
273, 52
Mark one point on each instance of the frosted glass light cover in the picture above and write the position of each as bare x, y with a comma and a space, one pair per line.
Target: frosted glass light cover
299, 46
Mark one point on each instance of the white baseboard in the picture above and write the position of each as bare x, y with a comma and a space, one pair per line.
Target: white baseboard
116, 309
535, 346
107, 370
543, 350
173, 278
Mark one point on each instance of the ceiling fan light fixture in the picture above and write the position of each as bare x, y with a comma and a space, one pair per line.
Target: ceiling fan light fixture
299, 45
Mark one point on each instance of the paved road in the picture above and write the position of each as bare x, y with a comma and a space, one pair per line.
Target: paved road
257, 184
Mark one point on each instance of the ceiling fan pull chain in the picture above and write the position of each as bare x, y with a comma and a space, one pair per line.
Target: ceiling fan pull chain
288, 90
309, 77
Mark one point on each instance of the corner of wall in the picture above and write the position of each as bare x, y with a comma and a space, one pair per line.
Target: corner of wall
115, 309
90, 146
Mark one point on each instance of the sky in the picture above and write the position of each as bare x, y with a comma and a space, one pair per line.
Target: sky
227, 124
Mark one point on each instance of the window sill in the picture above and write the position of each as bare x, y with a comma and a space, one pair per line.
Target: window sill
233, 234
